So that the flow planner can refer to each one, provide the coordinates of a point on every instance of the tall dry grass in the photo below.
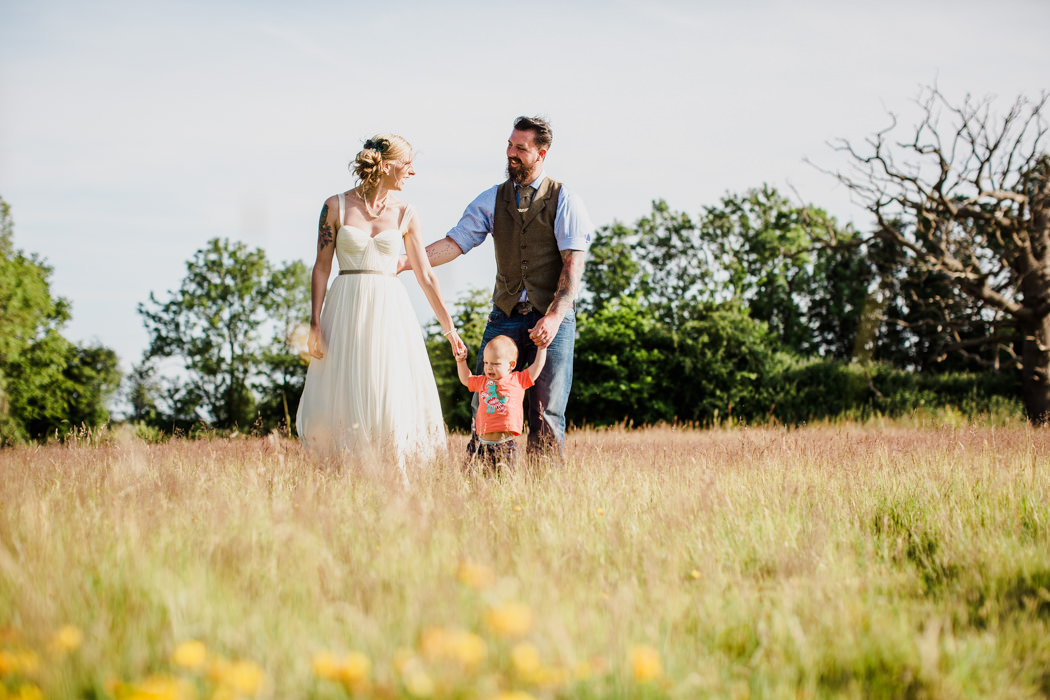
(828, 561)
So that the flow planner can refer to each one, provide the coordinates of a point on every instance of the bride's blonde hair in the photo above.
(367, 166)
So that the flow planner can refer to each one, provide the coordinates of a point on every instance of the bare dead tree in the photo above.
(966, 197)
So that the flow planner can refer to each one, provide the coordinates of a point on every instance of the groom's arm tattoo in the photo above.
(569, 280)
(324, 230)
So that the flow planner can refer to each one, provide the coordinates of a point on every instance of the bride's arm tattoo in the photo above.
(324, 230)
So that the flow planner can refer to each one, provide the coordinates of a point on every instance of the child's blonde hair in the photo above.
(503, 347)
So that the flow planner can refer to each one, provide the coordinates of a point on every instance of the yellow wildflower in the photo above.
(513, 695)
(510, 620)
(156, 688)
(19, 661)
(354, 669)
(190, 655)
(7, 663)
(469, 649)
(418, 683)
(525, 659)
(475, 575)
(68, 638)
(645, 663)
(433, 642)
(244, 678)
(26, 691)
(413, 674)
(582, 670)
(551, 676)
(464, 647)
(326, 666)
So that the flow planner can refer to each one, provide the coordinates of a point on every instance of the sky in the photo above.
(134, 131)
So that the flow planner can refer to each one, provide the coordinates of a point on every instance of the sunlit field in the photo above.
(848, 560)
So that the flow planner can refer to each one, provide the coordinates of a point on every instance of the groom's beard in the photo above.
(517, 173)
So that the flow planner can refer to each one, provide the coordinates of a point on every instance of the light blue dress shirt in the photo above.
(573, 229)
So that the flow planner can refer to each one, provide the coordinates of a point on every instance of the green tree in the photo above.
(29, 319)
(964, 199)
(722, 365)
(921, 315)
(37, 385)
(632, 366)
(91, 373)
(229, 311)
(842, 297)
(47, 384)
(660, 261)
(143, 391)
(791, 267)
(283, 366)
(623, 353)
(613, 270)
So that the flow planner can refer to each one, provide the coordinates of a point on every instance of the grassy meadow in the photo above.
(843, 560)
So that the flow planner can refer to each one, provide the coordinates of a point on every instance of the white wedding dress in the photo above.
(372, 396)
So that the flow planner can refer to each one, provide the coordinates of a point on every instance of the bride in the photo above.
(370, 392)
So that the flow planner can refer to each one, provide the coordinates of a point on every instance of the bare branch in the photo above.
(966, 196)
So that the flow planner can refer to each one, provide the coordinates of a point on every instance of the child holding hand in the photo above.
(501, 393)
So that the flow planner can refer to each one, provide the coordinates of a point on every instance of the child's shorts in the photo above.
(498, 456)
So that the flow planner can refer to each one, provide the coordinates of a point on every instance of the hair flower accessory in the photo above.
(379, 145)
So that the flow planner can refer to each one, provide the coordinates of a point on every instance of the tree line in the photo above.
(47, 383)
(757, 308)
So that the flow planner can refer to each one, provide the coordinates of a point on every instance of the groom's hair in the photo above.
(540, 128)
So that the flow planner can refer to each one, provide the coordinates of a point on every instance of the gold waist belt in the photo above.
(366, 272)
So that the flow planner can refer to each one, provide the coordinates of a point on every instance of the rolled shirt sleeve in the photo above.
(476, 222)
(572, 225)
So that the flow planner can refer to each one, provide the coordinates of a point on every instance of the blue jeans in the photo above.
(550, 394)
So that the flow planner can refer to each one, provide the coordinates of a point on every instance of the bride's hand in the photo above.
(316, 345)
(403, 264)
(459, 348)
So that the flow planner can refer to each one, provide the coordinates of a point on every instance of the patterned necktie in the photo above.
(525, 195)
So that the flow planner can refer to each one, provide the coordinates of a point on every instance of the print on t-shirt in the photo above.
(495, 402)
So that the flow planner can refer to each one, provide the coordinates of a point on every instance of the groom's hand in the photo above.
(542, 334)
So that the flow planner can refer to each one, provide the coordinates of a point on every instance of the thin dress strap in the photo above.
(410, 211)
(342, 205)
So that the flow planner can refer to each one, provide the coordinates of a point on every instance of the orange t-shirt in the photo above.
(500, 402)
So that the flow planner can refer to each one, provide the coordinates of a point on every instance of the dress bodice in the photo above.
(357, 250)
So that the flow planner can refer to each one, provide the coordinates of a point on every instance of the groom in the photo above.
(541, 231)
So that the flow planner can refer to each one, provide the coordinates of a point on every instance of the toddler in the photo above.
(501, 392)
